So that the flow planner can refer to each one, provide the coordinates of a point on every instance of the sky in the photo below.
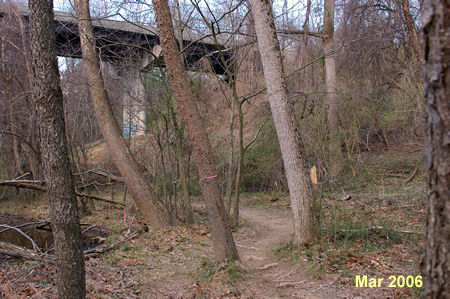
(295, 8)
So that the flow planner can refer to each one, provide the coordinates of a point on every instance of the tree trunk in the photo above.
(34, 161)
(230, 172)
(183, 176)
(412, 33)
(12, 123)
(291, 145)
(70, 275)
(334, 147)
(187, 207)
(224, 247)
(149, 206)
(240, 162)
(435, 261)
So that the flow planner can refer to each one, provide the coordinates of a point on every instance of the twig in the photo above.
(374, 228)
(278, 274)
(254, 257)
(250, 247)
(88, 229)
(268, 266)
(290, 283)
(22, 139)
(411, 177)
(256, 135)
(315, 34)
(22, 176)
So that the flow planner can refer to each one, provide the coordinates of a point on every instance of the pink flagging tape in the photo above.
(124, 215)
(209, 178)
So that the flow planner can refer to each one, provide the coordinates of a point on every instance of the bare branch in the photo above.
(301, 32)
(27, 184)
(35, 247)
(256, 135)
(21, 139)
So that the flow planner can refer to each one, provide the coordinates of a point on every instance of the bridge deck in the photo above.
(118, 40)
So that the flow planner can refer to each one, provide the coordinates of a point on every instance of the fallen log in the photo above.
(94, 197)
(35, 247)
(27, 184)
(103, 174)
(27, 254)
(90, 253)
(33, 185)
(24, 253)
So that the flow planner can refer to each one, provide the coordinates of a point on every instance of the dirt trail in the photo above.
(266, 231)
(270, 277)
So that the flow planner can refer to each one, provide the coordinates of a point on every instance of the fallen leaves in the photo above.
(203, 232)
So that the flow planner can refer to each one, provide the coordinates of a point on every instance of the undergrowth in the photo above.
(226, 270)
(371, 223)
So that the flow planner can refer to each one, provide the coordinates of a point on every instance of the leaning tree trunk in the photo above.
(151, 209)
(435, 262)
(70, 279)
(286, 125)
(224, 247)
(334, 147)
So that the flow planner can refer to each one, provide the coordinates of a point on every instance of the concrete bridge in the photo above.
(128, 50)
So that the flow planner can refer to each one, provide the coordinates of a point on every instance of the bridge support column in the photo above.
(134, 112)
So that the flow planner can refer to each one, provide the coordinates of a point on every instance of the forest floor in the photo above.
(372, 225)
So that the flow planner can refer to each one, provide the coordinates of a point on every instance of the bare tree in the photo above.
(435, 261)
(334, 148)
(11, 112)
(412, 32)
(292, 150)
(70, 279)
(149, 206)
(224, 247)
(16, 88)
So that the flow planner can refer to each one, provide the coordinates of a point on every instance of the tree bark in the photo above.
(334, 147)
(435, 261)
(292, 150)
(70, 275)
(149, 206)
(224, 247)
